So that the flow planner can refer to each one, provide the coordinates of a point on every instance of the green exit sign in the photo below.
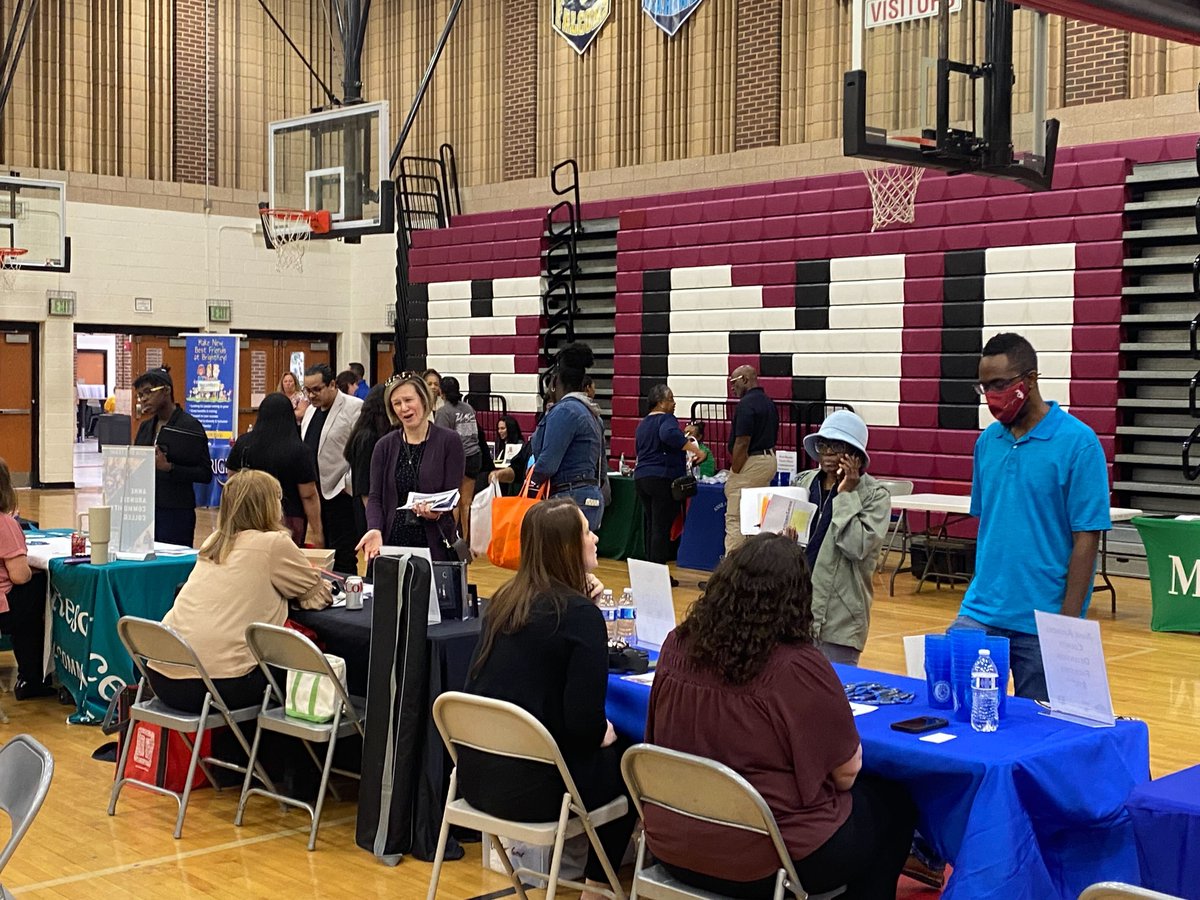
(220, 311)
(61, 304)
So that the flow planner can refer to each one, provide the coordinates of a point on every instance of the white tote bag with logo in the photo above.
(481, 518)
(314, 697)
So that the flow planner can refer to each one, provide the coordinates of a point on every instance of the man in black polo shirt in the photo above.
(751, 447)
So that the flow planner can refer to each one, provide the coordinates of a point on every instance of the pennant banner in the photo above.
(669, 15)
(579, 21)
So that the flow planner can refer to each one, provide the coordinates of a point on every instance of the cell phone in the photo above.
(920, 724)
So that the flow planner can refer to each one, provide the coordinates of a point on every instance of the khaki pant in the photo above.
(756, 473)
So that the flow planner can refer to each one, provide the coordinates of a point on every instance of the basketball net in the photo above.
(9, 268)
(289, 231)
(893, 192)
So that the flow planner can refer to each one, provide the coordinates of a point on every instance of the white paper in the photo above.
(651, 584)
(938, 737)
(435, 609)
(784, 511)
(914, 656)
(1076, 676)
(445, 501)
(785, 461)
(644, 678)
(256, 399)
(861, 709)
(751, 505)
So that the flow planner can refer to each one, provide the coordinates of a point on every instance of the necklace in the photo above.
(408, 451)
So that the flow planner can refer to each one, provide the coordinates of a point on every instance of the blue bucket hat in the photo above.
(840, 425)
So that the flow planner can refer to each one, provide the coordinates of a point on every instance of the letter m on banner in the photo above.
(1180, 577)
(669, 15)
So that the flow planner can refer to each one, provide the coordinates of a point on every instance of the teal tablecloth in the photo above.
(621, 531)
(86, 602)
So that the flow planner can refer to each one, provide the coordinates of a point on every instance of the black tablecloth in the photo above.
(347, 633)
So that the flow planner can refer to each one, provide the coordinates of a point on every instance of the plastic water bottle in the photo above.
(622, 468)
(985, 695)
(608, 607)
(627, 617)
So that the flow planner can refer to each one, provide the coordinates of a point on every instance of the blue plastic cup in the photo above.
(999, 648)
(937, 671)
(965, 644)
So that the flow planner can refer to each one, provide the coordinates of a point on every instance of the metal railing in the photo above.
(489, 409)
(560, 259)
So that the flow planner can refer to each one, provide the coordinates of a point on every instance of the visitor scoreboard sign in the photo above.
(893, 12)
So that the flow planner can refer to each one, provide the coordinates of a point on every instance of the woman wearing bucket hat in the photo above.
(846, 534)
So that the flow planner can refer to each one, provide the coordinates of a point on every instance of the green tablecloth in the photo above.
(1173, 557)
(86, 602)
(621, 531)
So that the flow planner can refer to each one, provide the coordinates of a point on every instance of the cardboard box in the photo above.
(318, 559)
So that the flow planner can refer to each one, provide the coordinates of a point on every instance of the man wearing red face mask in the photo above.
(1040, 492)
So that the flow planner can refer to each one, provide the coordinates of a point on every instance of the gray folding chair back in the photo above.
(147, 642)
(1113, 890)
(284, 648)
(707, 791)
(505, 729)
(26, 768)
(898, 526)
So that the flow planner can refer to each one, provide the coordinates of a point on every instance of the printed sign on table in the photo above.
(669, 15)
(1076, 676)
(212, 397)
(129, 490)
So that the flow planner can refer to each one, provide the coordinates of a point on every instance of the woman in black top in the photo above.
(544, 648)
(274, 446)
(510, 477)
(371, 425)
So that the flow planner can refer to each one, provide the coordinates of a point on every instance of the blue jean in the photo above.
(1024, 658)
(593, 512)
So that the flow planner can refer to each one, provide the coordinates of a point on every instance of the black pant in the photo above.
(25, 624)
(659, 510)
(866, 854)
(175, 526)
(533, 792)
(341, 531)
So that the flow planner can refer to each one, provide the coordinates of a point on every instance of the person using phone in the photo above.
(846, 534)
(181, 457)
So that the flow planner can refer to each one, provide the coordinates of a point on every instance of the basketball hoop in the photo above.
(288, 231)
(893, 192)
(9, 266)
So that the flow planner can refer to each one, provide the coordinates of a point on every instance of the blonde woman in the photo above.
(247, 571)
(292, 390)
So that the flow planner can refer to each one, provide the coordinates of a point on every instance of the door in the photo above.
(91, 367)
(381, 360)
(149, 351)
(17, 404)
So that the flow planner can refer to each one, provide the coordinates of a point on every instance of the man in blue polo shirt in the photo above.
(1040, 491)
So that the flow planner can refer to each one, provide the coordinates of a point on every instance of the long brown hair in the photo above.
(551, 566)
(759, 596)
(251, 501)
(8, 495)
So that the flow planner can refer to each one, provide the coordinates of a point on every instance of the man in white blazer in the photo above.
(326, 427)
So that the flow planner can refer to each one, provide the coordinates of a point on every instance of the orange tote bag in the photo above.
(508, 513)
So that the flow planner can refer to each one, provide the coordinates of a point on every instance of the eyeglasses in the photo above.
(999, 384)
(146, 393)
(827, 448)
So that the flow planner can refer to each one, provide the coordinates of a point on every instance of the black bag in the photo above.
(683, 487)
(450, 581)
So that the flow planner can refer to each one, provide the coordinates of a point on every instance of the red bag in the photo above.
(164, 764)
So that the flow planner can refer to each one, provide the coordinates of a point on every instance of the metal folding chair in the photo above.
(149, 641)
(286, 649)
(26, 768)
(1113, 890)
(898, 528)
(706, 791)
(505, 729)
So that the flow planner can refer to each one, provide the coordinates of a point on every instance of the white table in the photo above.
(959, 505)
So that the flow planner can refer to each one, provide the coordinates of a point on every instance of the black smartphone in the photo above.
(920, 724)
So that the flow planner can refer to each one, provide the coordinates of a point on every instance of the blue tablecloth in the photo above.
(703, 539)
(1036, 810)
(1166, 821)
(86, 602)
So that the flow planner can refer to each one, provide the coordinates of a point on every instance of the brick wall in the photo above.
(758, 94)
(520, 89)
(1096, 64)
(194, 138)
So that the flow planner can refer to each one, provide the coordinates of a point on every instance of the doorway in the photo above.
(19, 402)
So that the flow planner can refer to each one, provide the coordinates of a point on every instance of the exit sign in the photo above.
(220, 311)
(61, 303)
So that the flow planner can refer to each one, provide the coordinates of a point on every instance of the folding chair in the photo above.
(149, 641)
(505, 729)
(286, 649)
(1113, 890)
(26, 768)
(898, 527)
(706, 791)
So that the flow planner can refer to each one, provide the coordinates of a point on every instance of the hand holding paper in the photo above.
(443, 502)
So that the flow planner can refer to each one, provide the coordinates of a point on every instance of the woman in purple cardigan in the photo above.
(417, 456)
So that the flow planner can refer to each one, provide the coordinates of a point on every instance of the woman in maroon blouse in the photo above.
(741, 681)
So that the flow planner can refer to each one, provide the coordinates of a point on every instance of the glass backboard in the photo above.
(33, 217)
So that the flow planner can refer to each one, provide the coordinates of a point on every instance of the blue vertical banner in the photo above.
(669, 15)
(212, 397)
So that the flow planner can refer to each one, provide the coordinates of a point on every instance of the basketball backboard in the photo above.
(334, 161)
(957, 85)
(33, 217)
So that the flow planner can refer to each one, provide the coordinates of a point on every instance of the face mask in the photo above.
(1007, 404)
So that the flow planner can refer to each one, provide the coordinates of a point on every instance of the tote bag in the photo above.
(481, 518)
(313, 697)
(508, 513)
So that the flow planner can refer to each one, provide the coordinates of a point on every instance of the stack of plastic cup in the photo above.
(999, 648)
(965, 644)
(937, 671)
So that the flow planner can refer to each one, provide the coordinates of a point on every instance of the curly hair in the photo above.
(760, 596)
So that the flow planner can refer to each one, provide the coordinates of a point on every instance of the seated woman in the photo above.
(512, 456)
(22, 610)
(700, 460)
(247, 570)
(846, 534)
(740, 682)
(544, 647)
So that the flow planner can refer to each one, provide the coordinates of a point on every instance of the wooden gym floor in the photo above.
(74, 850)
